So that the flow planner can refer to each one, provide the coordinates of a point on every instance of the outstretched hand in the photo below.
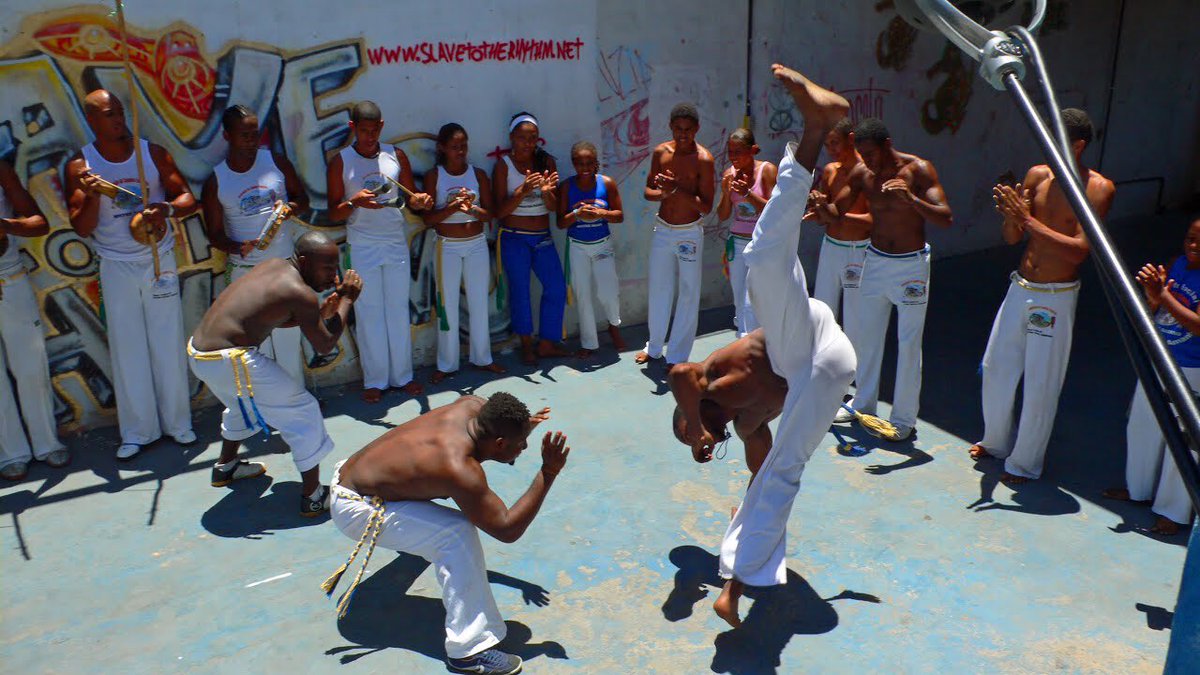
(1012, 203)
(554, 452)
(351, 286)
(703, 445)
(1153, 279)
(539, 417)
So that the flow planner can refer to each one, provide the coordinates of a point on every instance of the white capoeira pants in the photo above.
(449, 541)
(283, 345)
(243, 379)
(592, 265)
(743, 314)
(1150, 469)
(807, 348)
(145, 341)
(892, 280)
(1032, 336)
(839, 273)
(463, 263)
(675, 256)
(23, 353)
(382, 327)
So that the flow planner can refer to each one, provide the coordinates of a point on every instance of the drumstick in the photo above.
(407, 193)
(137, 138)
(112, 186)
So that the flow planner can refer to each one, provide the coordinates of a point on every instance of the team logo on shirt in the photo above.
(914, 292)
(129, 202)
(257, 199)
(1041, 321)
(745, 211)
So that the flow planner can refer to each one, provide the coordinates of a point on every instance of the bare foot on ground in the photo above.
(372, 395)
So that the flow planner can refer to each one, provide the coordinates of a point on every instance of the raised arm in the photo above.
(83, 201)
(707, 187)
(297, 195)
(28, 220)
(323, 324)
(506, 203)
(487, 511)
(725, 204)
(420, 201)
(181, 203)
(653, 193)
(931, 201)
(616, 211)
(550, 178)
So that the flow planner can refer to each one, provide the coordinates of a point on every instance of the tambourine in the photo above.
(274, 224)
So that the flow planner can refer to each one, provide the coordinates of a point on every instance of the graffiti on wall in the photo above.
(60, 56)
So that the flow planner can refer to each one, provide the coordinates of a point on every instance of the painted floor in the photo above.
(909, 559)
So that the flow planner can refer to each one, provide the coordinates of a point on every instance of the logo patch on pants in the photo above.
(914, 292)
(851, 275)
(1041, 321)
(686, 251)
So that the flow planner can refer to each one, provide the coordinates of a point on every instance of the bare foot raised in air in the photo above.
(726, 605)
(413, 388)
(978, 452)
(372, 395)
(818, 105)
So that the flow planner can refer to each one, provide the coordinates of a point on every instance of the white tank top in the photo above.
(111, 237)
(531, 204)
(372, 173)
(448, 185)
(247, 200)
(10, 262)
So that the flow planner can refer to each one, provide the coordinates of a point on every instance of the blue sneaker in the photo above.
(489, 662)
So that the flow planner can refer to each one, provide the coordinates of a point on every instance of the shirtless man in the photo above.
(384, 493)
(847, 223)
(903, 193)
(257, 391)
(682, 178)
(1032, 330)
(797, 367)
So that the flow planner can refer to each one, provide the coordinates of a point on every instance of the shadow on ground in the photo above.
(775, 614)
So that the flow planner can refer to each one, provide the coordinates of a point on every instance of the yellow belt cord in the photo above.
(373, 527)
(237, 357)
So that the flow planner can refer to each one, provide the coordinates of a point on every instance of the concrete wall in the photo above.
(608, 72)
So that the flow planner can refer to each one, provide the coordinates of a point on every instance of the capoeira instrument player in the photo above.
(382, 495)
(138, 282)
(589, 202)
(256, 391)
(367, 186)
(903, 193)
(805, 348)
(1031, 335)
(22, 342)
(1173, 295)
(847, 223)
(247, 202)
(681, 178)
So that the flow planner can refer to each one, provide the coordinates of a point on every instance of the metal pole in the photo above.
(1122, 291)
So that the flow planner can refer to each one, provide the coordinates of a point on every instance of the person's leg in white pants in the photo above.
(874, 312)
(477, 276)
(370, 328)
(23, 353)
(910, 336)
(689, 250)
(397, 279)
(743, 313)
(827, 287)
(450, 270)
(449, 541)
(1046, 357)
(164, 323)
(661, 281)
(1150, 469)
(604, 273)
(579, 256)
(1002, 366)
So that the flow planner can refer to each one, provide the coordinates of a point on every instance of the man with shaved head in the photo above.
(143, 312)
(257, 391)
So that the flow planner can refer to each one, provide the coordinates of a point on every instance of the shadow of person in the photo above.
(381, 601)
(655, 370)
(1157, 618)
(914, 457)
(603, 357)
(255, 507)
(778, 612)
(1038, 497)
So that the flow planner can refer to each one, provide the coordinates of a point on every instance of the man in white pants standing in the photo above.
(22, 342)
(682, 178)
(361, 182)
(384, 495)
(805, 346)
(903, 192)
(144, 317)
(1031, 335)
(239, 199)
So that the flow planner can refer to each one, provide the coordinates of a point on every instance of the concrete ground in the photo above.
(909, 559)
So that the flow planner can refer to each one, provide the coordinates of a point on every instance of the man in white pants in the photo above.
(1031, 335)
(384, 495)
(361, 187)
(847, 224)
(251, 188)
(22, 342)
(805, 346)
(256, 391)
(903, 193)
(682, 178)
(144, 317)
